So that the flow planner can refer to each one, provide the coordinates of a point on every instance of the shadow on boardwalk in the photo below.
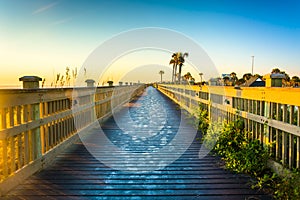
(77, 174)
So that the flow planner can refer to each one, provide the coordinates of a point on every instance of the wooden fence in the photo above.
(37, 124)
(271, 114)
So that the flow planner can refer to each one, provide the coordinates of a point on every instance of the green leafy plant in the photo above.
(250, 156)
(240, 153)
(203, 121)
(199, 119)
(212, 135)
(288, 187)
(243, 154)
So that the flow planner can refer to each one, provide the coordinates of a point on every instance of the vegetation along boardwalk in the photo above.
(133, 164)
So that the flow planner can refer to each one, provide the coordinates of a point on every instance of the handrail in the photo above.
(35, 123)
(271, 114)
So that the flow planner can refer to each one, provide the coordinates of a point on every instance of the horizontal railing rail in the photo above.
(271, 114)
(36, 124)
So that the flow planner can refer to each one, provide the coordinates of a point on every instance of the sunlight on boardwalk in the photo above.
(76, 174)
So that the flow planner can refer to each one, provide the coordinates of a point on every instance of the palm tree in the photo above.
(180, 63)
(161, 72)
(177, 60)
(174, 61)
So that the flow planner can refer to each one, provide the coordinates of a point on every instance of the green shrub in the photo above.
(244, 155)
(203, 121)
(212, 135)
(199, 119)
(288, 187)
(240, 153)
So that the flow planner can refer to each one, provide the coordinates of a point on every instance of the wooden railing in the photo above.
(37, 124)
(271, 114)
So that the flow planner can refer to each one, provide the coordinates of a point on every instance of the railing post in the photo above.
(209, 105)
(266, 132)
(32, 82)
(36, 137)
(90, 83)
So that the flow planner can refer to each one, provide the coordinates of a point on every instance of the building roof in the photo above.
(275, 75)
(254, 81)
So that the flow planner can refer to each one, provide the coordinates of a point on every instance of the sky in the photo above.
(43, 37)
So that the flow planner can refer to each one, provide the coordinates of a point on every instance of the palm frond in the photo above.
(172, 61)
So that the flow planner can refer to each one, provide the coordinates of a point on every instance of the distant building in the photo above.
(254, 81)
(226, 75)
(274, 79)
(215, 81)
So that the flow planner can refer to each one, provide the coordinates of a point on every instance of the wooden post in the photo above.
(284, 136)
(266, 113)
(26, 148)
(90, 83)
(284, 151)
(32, 82)
(12, 154)
(20, 152)
(271, 136)
(4, 157)
(291, 150)
(36, 134)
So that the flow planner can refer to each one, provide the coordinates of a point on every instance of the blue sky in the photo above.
(42, 37)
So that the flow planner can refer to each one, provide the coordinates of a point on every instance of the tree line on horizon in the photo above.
(287, 81)
(231, 80)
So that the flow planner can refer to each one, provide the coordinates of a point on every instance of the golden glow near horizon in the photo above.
(143, 66)
(29, 55)
(45, 65)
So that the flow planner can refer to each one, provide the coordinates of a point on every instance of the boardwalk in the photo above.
(140, 166)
